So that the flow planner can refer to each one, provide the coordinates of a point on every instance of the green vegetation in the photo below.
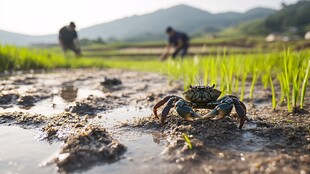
(13, 59)
(199, 46)
(274, 99)
(304, 86)
(227, 71)
(187, 140)
(237, 74)
(290, 20)
(295, 15)
(99, 41)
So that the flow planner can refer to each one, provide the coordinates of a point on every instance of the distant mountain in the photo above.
(181, 17)
(152, 26)
(21, 39)
(293, 19)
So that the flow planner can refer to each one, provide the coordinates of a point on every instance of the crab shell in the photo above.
(201, 94)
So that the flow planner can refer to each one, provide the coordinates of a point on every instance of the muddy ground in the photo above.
(103, 121)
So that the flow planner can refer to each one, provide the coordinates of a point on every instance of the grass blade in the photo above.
(304, 87)
(274, 102)
(187, 140)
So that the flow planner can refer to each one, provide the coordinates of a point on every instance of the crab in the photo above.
(202, 97)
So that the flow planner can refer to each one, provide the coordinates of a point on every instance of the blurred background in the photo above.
(136, 28)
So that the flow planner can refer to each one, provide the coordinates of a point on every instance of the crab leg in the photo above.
(185, 111)
(162, 102)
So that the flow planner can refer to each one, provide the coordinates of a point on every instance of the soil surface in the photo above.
(103, 120)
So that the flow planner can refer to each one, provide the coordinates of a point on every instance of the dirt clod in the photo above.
(23, 119)
(109, 82)
(88, 147)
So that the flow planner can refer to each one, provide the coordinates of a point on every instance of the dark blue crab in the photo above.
(202, 97)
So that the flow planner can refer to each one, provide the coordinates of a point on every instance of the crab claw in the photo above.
(185, 111)
(220, 111)
(166, 110)
(160, 103)
(241, 111)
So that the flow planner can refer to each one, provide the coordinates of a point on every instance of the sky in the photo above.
(40, 17)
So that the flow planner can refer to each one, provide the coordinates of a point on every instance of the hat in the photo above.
(72, 24)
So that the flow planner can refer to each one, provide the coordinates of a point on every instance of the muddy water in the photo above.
(272, 142)
(56, 103)
(144, 148)
(22, 152)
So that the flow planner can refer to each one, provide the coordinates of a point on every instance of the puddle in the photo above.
(144, 149)
(27, 154)
(120, 115)
(57, 103)
(44, 107)
(143, 156)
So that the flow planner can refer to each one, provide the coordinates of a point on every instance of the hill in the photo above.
(182, 17)
(290, 20)
(294, 15)
(21, 39)
(151, 26)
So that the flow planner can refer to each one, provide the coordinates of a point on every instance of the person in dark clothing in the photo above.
(178, 40)
(68, 39)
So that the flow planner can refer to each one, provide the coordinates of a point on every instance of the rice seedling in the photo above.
(243, 86)
(274, 100)
(187, 140)
(227, 80)
(231, 73)
(296, 86)
(254, 80)
(281, 81)
(304, 86)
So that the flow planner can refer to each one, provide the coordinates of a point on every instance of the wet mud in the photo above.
(87, 147)
(101, 116)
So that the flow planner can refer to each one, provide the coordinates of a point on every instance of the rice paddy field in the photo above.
(287, 68)
(109, 99)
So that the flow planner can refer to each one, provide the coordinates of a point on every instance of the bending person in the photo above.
(68, 39)
(178, 40)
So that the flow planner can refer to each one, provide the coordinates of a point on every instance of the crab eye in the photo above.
(213, 86)
(190, 86)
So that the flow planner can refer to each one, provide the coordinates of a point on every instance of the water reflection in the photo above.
(20, 152)
(69, 92)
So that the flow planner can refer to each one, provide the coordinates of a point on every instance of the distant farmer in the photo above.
(68, 39)
(178, 40)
